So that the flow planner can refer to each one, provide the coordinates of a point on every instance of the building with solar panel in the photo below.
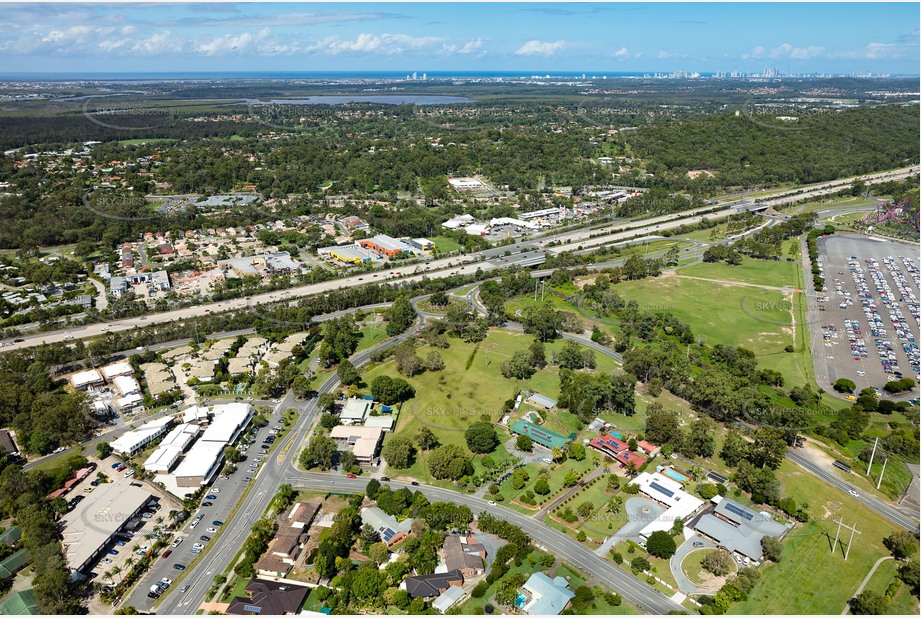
(739, 529)
(681, 505)
(391, 530)
(541, 436)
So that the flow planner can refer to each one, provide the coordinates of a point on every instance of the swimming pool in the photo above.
(616, 435)
(519, 600)
(674, 475)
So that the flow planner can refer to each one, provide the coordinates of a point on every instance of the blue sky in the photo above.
(825, 37)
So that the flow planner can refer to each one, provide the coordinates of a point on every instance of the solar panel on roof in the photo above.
(387, 535)
(659, 488)
(732, 508)
(252, 608)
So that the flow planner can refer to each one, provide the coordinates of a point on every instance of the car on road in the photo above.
(179, 566)
(415, 483)
(385, 478)
(185, 588)
(176, 543)
(853, 493)
(209, 503)
(698, 544)
(167, 553)
(215, 490)
(350, 476)
(491, 503)
(210, 497)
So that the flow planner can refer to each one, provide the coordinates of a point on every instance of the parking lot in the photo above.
(208, 520)
(868, 312)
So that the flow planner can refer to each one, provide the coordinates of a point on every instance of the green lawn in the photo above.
(760, 320)
(448, 401)
(902, 602)
(808, 564)
(371, 335)
(445, 244)
(692, 568)
(759, 272)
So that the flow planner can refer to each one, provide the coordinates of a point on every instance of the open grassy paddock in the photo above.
(448, 401)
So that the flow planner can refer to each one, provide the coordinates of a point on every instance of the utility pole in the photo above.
(850, 542)
(872, 454)
(880, 481)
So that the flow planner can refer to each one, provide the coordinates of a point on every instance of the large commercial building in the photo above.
(203, 461)
(541, 436)
(670, 493)
(385, 245)
(350, 254)
(171, 448)
(89, 527)
(134, 441)
(355, 411)
(738, 528)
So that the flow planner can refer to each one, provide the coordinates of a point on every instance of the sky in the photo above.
(407, 37)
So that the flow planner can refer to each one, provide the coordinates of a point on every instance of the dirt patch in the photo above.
(692, 174)
(581, 283)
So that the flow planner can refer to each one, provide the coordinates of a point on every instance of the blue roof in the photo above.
(550, 595)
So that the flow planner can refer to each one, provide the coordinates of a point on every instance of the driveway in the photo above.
(684, 584)
(640, 512)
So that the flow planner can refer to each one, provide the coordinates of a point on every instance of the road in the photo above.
(560, 545)
(893, 514)
(468, 264)
(279, 464)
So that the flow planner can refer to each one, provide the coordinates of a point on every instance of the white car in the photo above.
(198, 546)
(211, 530)
(853, 493)
(167, 581)
(491, 503)
(215, 490)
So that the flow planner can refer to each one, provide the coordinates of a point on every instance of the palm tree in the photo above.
(129, 561)
(108, 575)
(116, 570)
(556, 454)
(159, 520)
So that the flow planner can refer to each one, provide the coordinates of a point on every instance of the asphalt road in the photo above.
(615, 578)
(893, 514)
(441, 267)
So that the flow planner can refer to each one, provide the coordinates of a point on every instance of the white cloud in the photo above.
(664, 54)
(621, 53)
(231, 43)
(473, 46)
(797, 53)
(540, 48)
(158, 43)
(373, 43)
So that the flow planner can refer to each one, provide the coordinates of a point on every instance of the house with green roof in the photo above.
(22, 603)
(538, 434)
(11, 564)
(11, 536)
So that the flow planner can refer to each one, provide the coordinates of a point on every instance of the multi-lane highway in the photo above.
(466, 264)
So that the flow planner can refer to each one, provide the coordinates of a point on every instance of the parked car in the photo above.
(204, 538)
(179, 567)
(217, 522)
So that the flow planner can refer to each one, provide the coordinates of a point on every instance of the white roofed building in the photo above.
(664, 490)
(364, 442)
(122, 368)
(135, 440)
(84, 379)
(126, 385)
(200, 464)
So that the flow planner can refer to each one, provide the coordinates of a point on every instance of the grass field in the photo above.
(445, 244)
(758, 272)
(371, 335)
(448, 401)
(902, 602)
(693, 570)
(824, 581)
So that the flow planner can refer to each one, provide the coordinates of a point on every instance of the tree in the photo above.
(556, 453)
(772, 547)
(575, 451)
(538, 355)
(326, 402)
(320, 453)
(481, 437)
(524, 443)
(519, 366)
(570, 356)
(103, 449)
(434, 362)
(662, 425)
(706, 490)
(400, 316)
(585, 509)
(368, 536)
(902, 544)
(661, 544)
(541, 486)
(571, 478)
(449, 462)
(347, 373)
(699, 441)
(390, 391)
(640, 564)
(519, 478)
(719, 563)
(543, 321)
(426, 439)
(398, 452)
(843, 385)
(408, 362)
(909, 573)
(734, 448)
(869, 603)
(232, 455)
